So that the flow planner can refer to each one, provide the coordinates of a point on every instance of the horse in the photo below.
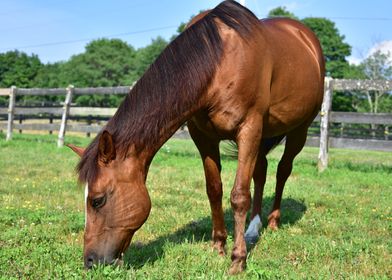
(230, 76)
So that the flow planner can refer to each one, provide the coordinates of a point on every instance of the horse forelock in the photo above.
(87, 167)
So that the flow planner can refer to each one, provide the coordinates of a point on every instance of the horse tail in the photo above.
(266, 145)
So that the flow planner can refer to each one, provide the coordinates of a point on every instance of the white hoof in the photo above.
(252, 233)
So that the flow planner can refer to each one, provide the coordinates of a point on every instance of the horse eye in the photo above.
(98, 202)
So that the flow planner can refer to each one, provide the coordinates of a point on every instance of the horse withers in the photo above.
(229, 76)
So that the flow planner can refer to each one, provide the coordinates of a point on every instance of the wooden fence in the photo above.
(325, 118)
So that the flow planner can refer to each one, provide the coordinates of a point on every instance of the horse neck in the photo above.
(167, 131)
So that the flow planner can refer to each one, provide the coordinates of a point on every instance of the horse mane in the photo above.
(171, 85)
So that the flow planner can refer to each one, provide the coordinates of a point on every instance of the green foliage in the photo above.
(18, 69)
(281, 12)
(104, 63)
(335, 225)
(98, 100)
(51, 75)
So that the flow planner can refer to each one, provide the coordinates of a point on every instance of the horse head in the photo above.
(116, 203)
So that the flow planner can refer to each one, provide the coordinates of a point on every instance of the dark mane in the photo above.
(171, 86)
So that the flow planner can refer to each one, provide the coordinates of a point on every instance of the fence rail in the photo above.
(325, 118)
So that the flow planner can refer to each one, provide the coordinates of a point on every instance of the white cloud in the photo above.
(384, 47)
(354, 60)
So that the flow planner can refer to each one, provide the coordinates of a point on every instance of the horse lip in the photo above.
(124, 246)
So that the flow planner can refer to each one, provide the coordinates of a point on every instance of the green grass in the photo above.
(337, 224)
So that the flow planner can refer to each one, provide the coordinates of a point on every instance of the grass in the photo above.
(337, 224)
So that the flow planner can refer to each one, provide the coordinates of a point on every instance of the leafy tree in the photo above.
(104, 63)
(51, 75)
(281, 12)
(18, 69)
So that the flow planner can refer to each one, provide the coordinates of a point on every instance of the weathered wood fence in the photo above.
(325, 118)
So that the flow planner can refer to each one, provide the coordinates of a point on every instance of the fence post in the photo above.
(51, 122)
(11, 111)
(324, 125)
(63, 126)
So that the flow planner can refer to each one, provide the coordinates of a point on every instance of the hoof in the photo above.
(273, 220)
(219, 247)
(273, 224)
(237, 267)
(252, 234)
(251, 239)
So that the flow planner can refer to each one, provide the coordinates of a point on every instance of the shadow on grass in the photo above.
(200, 230)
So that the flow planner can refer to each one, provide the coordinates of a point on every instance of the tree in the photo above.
(281, 12)
(378, 66)
(18, 69)
(104, 63)
(51, 75)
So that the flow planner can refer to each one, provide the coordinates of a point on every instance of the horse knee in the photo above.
(240, 200)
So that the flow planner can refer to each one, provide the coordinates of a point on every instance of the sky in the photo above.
(57, 29)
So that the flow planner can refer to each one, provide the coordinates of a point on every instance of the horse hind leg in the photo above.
(259, 178)
(295, 141)
(209, 151)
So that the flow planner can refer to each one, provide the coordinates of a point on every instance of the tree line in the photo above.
(113, 62)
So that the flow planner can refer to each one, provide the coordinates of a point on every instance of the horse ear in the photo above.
(76, 149)
(106, 149)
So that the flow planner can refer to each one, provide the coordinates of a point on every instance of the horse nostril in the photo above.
(89, 260)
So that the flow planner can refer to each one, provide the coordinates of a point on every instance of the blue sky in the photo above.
(57, 29)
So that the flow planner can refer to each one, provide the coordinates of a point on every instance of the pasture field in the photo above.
(335, 225)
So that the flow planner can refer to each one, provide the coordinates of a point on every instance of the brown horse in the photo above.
(230, 76)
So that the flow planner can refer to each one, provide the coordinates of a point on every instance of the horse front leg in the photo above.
(209, 151)
(248, 140)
